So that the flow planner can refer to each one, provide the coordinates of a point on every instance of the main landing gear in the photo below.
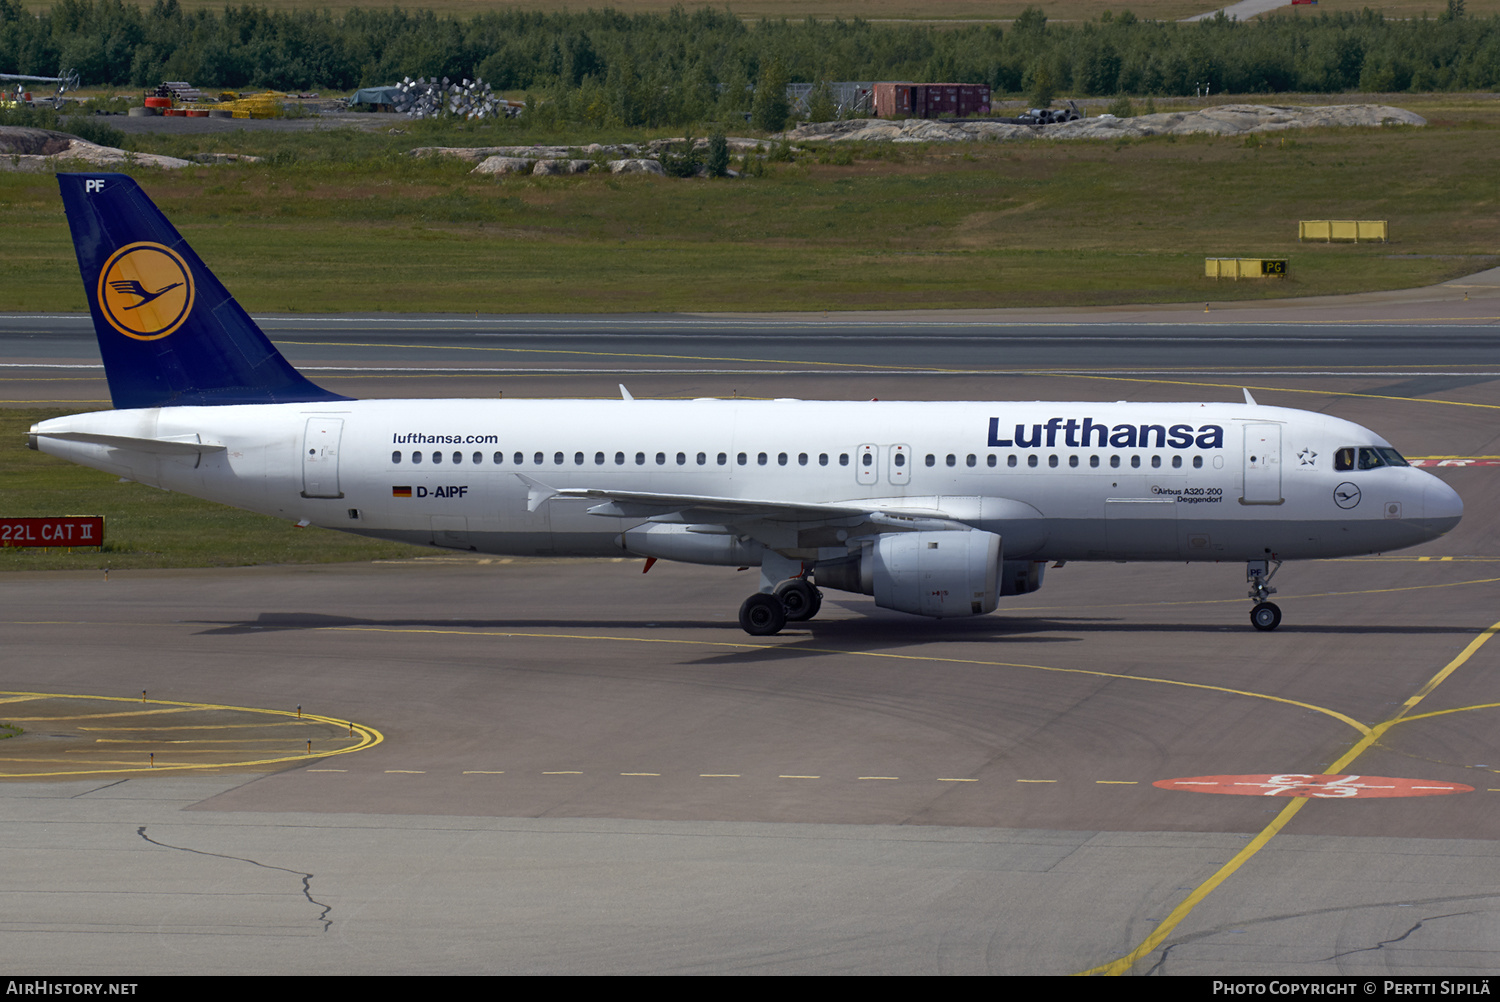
(790, 600)
(1265, 615)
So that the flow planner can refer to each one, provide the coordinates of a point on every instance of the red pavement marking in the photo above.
(1301, 784)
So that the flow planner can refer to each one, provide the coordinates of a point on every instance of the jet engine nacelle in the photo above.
(947, 573)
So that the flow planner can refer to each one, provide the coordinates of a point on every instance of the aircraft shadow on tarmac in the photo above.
(866, 631)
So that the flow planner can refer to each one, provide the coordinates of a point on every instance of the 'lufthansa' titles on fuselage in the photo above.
(1076, 434)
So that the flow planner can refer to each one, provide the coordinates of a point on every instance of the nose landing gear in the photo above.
(1265, 615)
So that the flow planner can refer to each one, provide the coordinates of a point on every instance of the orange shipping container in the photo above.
(934, 100)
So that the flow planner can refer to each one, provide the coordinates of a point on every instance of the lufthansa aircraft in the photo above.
(936, 509)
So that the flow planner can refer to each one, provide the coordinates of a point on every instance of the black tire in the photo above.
(762, 615)
(799, 600)
(1265, 616)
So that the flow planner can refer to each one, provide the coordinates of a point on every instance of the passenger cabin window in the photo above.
(396, 458)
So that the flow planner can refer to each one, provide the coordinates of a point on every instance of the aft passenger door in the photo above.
(320, 457)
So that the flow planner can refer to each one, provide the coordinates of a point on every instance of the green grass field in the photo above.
(342, 221)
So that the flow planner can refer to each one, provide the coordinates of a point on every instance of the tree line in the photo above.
(606, 67)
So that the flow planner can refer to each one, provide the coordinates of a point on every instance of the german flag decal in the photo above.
(400, 492)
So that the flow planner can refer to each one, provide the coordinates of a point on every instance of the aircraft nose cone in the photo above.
(1441, 505)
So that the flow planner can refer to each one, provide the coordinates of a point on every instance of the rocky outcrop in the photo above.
(1224, 120)
(33, 150)
(637, 165)
(504, 165)
(555, 167)
(592, 152)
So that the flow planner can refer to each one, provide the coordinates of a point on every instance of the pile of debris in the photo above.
(470, 99)
(1225, 120)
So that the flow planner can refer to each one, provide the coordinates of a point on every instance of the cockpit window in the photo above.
(1367, 458)
(1392, 457)
(1371, 457)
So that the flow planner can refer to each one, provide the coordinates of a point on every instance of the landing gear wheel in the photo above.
(800, 600)
(1265, 616)
(762, 615)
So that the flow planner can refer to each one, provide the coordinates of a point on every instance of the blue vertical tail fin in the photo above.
(169, 332)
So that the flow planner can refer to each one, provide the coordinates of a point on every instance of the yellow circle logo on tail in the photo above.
(145, 291)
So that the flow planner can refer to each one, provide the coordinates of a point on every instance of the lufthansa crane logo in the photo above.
(145, 291)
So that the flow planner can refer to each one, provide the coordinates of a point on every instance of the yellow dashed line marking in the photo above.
(564, 772)
(799, 777)
(640, 774)
(1036, 781)
(718, 775)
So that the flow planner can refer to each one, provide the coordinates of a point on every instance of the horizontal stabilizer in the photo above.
(183, 445)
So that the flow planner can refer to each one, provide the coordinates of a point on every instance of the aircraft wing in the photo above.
(711, 510)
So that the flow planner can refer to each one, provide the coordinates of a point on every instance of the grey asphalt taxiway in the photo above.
(582, 768)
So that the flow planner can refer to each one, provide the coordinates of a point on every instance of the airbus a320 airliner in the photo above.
(936, 509)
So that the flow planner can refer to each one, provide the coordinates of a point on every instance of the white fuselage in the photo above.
(1057, 480)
